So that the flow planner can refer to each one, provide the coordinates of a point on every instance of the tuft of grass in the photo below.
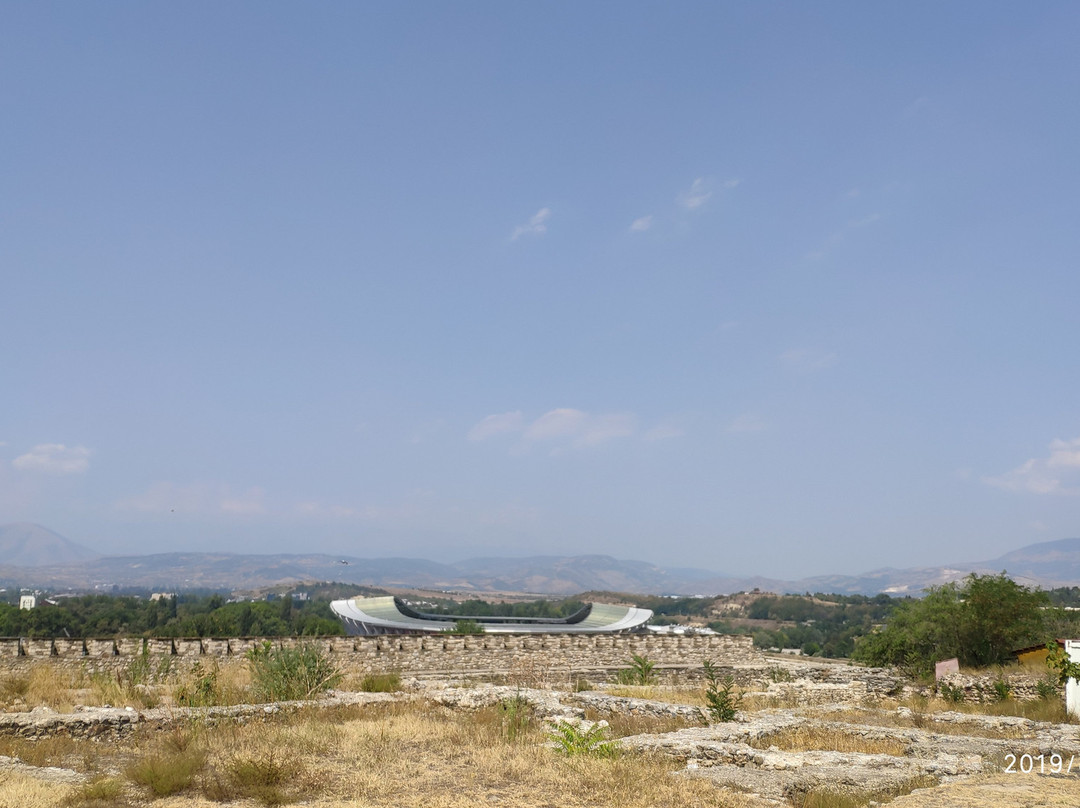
(269, 777)
(381, 683)
(168, 773)
(581, 685)
(286, 674)
(101, 792)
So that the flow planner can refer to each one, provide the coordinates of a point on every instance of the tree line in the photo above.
(179, 616)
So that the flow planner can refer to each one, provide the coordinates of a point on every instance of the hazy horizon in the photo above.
(776, 290)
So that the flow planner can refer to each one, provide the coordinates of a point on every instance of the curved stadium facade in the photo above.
(392, 615)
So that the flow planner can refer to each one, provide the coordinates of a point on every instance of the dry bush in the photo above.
(101, 792)
(828, 739)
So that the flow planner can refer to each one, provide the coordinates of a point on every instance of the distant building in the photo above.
(27, 602)
(162, 596)
(1034, 656)
(392, 615)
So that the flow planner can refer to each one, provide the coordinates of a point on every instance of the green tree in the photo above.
(979, 621)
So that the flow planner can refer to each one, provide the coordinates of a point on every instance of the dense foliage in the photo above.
(182, 616)
(980, 622)
(826, 625)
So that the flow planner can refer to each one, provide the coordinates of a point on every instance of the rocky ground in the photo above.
(794, 739)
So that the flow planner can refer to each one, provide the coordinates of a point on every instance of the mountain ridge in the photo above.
(1047, 564)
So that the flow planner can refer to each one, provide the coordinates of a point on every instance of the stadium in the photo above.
(392, 615)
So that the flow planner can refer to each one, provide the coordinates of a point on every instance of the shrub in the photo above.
(640, 672)
(722, 704)
(169, 773)
(1047, 688)
(466, 627)
(99, 791)
(1002, 690)
(285, 674)
(202, 688)
(954, 694)
(270, 778)
(778, 674)
(516, 716)
(573, 739)
(381, 683)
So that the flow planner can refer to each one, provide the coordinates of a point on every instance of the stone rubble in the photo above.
(825, 697)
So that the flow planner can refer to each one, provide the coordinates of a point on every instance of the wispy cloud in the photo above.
(54, 458)
(536, 226)
(696, 196)
(1057, 473)
(808, 360)
(498, 424)
(564, 427)
(642, 224)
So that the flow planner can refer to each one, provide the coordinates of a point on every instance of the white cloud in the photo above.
(642, 224)
(750, 422)
(498, 424)
(729, 184)
(560, 423)
(1058, 473)
(600, 428)
(697, 196)
(54, 458)
(808, 360)
(197, 499)
(564, 427)
(536, 226)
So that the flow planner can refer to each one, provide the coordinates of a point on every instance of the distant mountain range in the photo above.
(28, 545)
(31, 555)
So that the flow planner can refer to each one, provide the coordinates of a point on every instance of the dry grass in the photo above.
(828, 797)
(41, 685)
(927, 721)
(693, 696)
(396, 754)
(53, 750)
(829, 739)
(623, 725)
(19, 791)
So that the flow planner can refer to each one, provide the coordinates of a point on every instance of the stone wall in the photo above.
(419, 654)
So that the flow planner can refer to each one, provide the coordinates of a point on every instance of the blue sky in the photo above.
(778, 288)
